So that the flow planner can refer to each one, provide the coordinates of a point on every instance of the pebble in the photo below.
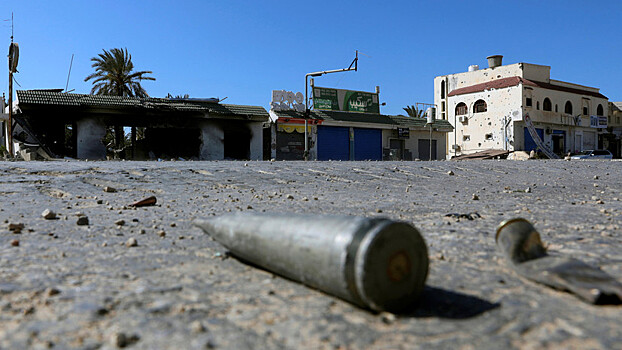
(48, 214)
(110, 189)
(289, 196)
(122, 340)
(51, 291)
(120, 222)
(387, 317)
(197, 327)
(475, 197)
(528, 190)
(83, 220)
(16, 227)
(450, 173)
(15, 243)
(161, 233)
(132, 242)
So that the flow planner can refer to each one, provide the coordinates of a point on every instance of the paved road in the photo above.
(64, 285)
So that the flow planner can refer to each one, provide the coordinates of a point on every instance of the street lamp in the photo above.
(317, 74)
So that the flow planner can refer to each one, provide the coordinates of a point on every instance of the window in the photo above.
(443, 106)
(443, 89)
(538, 105)
(599, 110)
(528, 102)
(568, 108)
(480, 106)
(461, 109)
(555, 108)
(585, 110)
(546, 105)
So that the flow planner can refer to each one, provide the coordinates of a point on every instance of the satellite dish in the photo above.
(13, 57)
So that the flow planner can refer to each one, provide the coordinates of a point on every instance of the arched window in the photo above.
(443, 89)
(480, 106)
(546, 105)
(568, 108)
(599, 110)
(461, 108)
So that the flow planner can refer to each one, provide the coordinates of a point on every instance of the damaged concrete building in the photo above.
(492, 109)
(75, 125)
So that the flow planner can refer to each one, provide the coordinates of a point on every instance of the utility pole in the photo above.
(13, 59)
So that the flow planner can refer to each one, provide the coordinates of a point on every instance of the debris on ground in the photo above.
(110, 189)
(48, 214)
(519, 241)
(145, 202)
(470, 216)
(394, 288)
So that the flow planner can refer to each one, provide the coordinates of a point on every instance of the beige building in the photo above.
(490, 108)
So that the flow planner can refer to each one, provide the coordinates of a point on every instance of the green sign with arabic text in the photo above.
(345, 100)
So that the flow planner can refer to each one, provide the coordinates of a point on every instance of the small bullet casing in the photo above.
(376, 263)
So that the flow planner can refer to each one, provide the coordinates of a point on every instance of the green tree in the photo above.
(114, 75)
(414, 112)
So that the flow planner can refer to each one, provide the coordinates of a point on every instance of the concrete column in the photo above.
(273, 134)
(313, 142)
(212, 141)
(90, 132)
(256, 144)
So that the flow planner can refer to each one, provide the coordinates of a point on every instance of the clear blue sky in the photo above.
(244, 49)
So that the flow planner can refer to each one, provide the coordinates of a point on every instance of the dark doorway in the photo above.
(69, 146)
(424, 149)
(396, 147)
(169, 143)
(237, 142)
(558, 144)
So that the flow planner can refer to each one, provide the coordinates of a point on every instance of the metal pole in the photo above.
(10, 126)
(307, 113)
(317, 74)
(430, 157)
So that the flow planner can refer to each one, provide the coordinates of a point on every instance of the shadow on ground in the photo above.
(437, 302)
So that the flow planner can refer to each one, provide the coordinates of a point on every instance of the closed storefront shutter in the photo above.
(530, 144)
(367, 144)
(333, 143)
(589, 140)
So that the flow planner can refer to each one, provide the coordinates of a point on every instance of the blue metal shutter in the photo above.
(367, 144)
(333, 143)
(530, 144)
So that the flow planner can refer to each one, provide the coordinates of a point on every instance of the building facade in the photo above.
(336, 135)
(492, 108)
(77, 125)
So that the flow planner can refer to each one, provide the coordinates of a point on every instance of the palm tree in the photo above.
(114, 76)
(413, 111)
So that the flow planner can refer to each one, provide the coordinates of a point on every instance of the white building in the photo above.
(487, 108)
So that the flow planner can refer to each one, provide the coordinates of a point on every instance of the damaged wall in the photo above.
(90, 132)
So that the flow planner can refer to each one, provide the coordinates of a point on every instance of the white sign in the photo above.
(599, 122)
(286, 100)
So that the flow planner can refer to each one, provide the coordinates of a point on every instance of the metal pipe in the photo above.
(376, 263)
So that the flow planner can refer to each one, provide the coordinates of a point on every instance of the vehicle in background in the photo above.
(593, 154)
